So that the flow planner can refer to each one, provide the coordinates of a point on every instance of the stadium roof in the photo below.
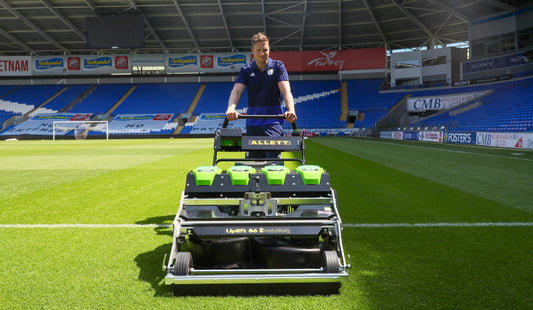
(53, 27)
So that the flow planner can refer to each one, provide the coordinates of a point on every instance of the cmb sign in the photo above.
(421, 104)
(425, 104)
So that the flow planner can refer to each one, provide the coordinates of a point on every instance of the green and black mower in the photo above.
(257, 223)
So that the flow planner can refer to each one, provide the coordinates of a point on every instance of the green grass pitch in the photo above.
(427, 226)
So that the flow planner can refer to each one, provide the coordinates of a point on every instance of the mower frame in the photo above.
(293, 227)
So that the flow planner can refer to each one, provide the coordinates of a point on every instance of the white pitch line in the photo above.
(346, 225)
(85, 225)
(386, 225)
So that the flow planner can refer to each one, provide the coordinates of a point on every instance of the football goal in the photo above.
(80, 129)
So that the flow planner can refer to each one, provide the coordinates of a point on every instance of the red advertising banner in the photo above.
(74, 63)
(15, 65)
(337, 60)
(121, 62)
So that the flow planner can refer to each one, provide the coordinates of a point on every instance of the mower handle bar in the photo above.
(245, 116)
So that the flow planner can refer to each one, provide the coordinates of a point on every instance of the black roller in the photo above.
(280, 253)
(219, 252)
(182, 264)
(331, 262)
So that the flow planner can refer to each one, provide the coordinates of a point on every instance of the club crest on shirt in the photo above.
(270, 71)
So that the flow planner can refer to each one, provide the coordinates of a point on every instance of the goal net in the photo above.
(80, 129)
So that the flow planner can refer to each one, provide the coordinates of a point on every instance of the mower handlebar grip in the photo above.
(244, 116)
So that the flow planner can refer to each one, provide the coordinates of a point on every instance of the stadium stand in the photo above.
(32, 95)
(151, 108)
(508, 108)
(66, 97)
(364, 97)
(158, 98)
(5, 89)
(317, 103)
(215, 99)
(24, 99)
(101, 99)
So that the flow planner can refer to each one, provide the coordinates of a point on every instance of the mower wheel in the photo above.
(182, 264)
(331, 262)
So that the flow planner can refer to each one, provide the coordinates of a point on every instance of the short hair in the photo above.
(259, 37)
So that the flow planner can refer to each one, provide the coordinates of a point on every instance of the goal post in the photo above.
(80, 128)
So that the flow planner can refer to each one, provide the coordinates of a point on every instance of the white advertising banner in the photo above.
(42, 124)
(385, 134)
(139, 123)
(397, 135)
(421, 104)
(51, 65)
(225, 62)
(527, 142)
(430, 136)
(499, 139)
(15, 66)
(115, 64)
(80, 65)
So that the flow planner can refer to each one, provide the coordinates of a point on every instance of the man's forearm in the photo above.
(289, 102)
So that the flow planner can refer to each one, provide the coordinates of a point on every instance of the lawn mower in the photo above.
(257, 223)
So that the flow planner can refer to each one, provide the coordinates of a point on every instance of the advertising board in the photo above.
(336, 60)
(385, 135)
(492, 63)
(15, 66)
(411, 135)
(295, 61)
(509, 140)
(42, 124)
(139, 123)
(527, 142)
(397, 135)
(421, 104)
(431, 136)
(459, 137)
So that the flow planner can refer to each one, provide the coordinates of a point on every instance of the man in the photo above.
(266, 80)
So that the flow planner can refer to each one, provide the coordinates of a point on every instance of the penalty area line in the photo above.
(344, 225)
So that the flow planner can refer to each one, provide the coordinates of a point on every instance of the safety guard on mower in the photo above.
(259, 222)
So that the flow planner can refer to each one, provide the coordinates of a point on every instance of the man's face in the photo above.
(261, 51)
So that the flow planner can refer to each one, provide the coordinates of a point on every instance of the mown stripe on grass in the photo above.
(458, 151)
(347, 225)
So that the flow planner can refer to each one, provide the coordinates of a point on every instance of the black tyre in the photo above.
(182, 264)
(331, 262)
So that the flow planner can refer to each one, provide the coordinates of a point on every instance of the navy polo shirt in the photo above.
(264, 95)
